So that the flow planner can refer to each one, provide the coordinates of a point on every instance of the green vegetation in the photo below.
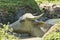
(54, 33)
(53, 36)
(16, 4)
(45, 1)
(5, 33)
(12, 5)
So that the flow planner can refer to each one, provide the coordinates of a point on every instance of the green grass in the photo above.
(22, 3)
(16, 4)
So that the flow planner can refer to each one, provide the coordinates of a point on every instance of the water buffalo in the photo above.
(27, 23)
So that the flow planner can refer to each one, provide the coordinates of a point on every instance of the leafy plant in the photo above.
(53, 36)
(5, 33)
